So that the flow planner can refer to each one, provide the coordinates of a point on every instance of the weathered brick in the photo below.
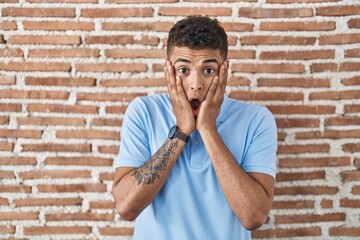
(277, 40)
(238, 81)
(237, 27)
(352, 108)
(35, 66)
(135, 53)
(107, 176)
(186, 11)
(339, 39)
(342, 121)
(133, 82)
(113, 39)
(17, 161)
(310, 218)
(352, 53)
(7, 80)
(64, 53)
(10, 107)
(295, 204)
(268, 67)
(48, 174)
(11, 52)
(62, 108)
(7, 229)
(109, 149)
(335, 67)
(302, 109)
(335, 95)
(299, 176)
(11, 216)
(298, 26)
(300, 162)
(141, 1)
(349, 203)
(294, 82)
(125, 97)
(351, 147)
(348, 176)
(351, 81)
(274, 12)
(47, 202)
(117, 12)
(37, 12)
(267, 96)
(355, 190)
(338, 10)
(106, 122)
(53, 39)
(354, 23)
(344, 231)
(63, 1)
(298, 55)
(326, 203)
(111, 67)
(281, 233)
(116, 109)
(19, 94)
(102, 205)
(109, 231)
(56, 230)
(241, 54)
(53, 147)
(6, 174)
(306, 148)
(79, 216)
(86, 187)
(137, 26)
(51, 121)
(84, 161)
(20, 133)
(306, 190)
(4, 120)
(331, 134)
(88, 134)
(4, 146)
(8, 25)
(58, 26)
(59, 81)
(15, 188)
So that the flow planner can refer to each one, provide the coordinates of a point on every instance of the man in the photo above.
(194, 164)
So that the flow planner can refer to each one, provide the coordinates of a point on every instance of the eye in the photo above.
(182, 70)
(209, 70)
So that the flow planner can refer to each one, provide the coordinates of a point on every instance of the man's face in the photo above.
(197, 68)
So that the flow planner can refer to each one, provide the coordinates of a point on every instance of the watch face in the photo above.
(172, 132)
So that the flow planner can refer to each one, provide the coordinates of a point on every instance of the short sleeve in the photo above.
(134, 144)
(261, 153)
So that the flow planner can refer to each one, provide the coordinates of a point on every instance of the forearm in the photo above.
(135, 190)
(246, 196)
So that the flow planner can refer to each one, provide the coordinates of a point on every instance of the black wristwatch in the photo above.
(175, 133)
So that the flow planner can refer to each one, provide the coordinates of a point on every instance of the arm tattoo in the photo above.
(149, 171)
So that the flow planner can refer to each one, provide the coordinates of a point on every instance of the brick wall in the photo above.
(69, 68)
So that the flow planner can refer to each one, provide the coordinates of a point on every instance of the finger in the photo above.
(171, 82)
(220, 91)
(212, 90)
(180, 90)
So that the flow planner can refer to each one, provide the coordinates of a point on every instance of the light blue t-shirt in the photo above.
(191, 204)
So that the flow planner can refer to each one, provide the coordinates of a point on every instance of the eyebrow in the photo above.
(211, 60)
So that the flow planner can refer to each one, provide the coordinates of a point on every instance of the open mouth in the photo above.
(195, 105)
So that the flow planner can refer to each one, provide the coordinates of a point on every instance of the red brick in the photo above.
(147, 40)
(57, 230)
(109, 231)
(125, 97)
(82, 161)
(106, 122)
(52, 147)
(102, 205)
(354, 23)
(47, 202)
(8, 25)
(86, 187)
(352, 53)
(135, 53)
(302, 109)
(352, 108)
(241, 54)
(60, 81)
(298, 55)
(314, 162)
(357, 162)
(330, 134)
(237, 27)
(294, 82)
(7, 174)
(267, 96)
(284, 233)
(4, 120)
(133, 82)
(348, 176)
(51, 121)
(15, 188)
(20, 94)
(64, 53)
(300, 1)
(107, 176)
(186, 11)
(11, 216)
(218, 1)
(339, 39)
(10, 107)
(305, 190)
(17, 161)
(355, 190)
(141, 1)
(88, 134)
(326, 203)
(113, 39)
(4, 146)
(299, 176)
(38, 12)
(310, 218)
(342, 121)
(335, 95)
(268, 68)
(275, 12)
(79, 216)
(296, 204)
(57, 108)
(58, 26)
(277, 40)
(117, 12)
(137, 26)
(334, 67)
(307, 148)
(351, 147)
(63, 1)
(338, 10)
(298, 26)
(116, 109)
(50, 174)
(349, 203)
(35, 66)
(20, 133)
(111, 67)
(11, 52)
(7, 229)
(109, 149)
(351, 81)
(7, 80)
(53, 39)
(238, 81)
(344, 231)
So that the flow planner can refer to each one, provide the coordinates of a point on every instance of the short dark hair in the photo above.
(198, 32)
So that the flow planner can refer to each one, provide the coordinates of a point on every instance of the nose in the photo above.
(196, 84)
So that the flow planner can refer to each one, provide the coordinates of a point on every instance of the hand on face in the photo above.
(185, 120)
(210, 107)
